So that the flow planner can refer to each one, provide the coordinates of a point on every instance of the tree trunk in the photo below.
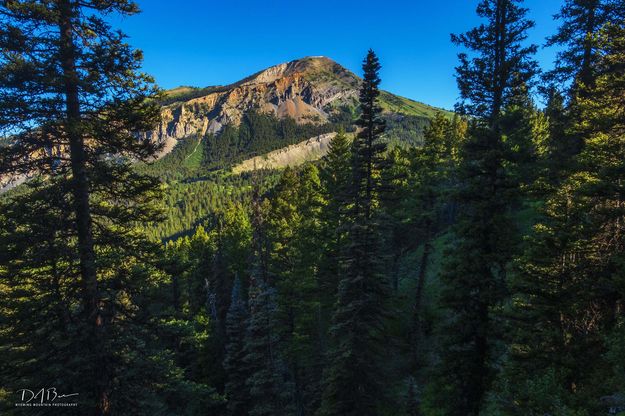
(80, 189)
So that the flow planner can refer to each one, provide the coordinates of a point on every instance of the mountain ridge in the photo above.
(312, 90)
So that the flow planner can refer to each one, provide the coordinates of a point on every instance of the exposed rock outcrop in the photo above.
(304, 89)
(309, 90)
(293, 155)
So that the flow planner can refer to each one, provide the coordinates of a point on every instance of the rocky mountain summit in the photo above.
(309, 90)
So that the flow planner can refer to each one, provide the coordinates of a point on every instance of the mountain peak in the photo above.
(313, 89)
(310, 67)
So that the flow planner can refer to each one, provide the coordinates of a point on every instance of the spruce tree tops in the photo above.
(581, 20)
(367, 148)
(354, 377)
(500, 62)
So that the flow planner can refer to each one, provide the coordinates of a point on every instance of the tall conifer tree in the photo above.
(581, 21)
(236, 390)
(568, 292)
(575, 69)
(354, 377)
(474, 272)
(335, 178)
(71, 95)
(268, 383)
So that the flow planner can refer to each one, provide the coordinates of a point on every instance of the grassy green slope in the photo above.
(400, 105)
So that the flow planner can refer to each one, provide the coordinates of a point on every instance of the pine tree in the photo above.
(335, 178)
(269, 390)
(39, 274)
(202, 252)
(581, 21)
(212, 286)
(236, 390)
(600, 199)
(525, 134)
(474, 273)
(268, 384)
(71, 96)
(335, 171)
(40, 259)
(566, 290)
(392, 210)
(307, 347)
(576, 65)
(501, 65)
(294, 233)
(559, 148)
(354, 376)
(545, 298)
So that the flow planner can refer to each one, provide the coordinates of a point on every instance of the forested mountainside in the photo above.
(272, 109)
(285, 113)
(306, 244)
(310, 91)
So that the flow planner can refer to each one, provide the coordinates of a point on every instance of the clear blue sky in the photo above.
(216, 42)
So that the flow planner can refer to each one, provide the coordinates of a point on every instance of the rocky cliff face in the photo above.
(307, 90)
(294, 155)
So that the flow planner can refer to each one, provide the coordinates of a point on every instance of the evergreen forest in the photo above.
(467, 263)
